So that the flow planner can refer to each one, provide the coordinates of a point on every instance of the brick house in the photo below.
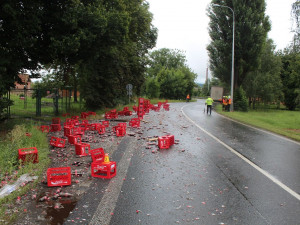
(25, 81)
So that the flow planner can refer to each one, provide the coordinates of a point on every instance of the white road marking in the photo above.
(103, 213)
(272, 178)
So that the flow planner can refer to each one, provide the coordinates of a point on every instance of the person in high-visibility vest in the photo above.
(188, 98)
(229, 103)
(224, 103)
(209, 101)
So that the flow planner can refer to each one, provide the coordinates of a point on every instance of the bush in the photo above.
(240, 102)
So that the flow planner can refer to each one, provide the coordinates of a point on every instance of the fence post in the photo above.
(56, 102)
(38, 103)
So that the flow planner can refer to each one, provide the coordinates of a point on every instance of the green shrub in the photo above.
(240, 102)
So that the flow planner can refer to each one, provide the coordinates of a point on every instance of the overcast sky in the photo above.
(183, 24)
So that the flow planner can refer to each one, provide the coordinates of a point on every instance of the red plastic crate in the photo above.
(134, 122)
(44, 128)
(84, 115)
(92, 113)
(74, 139)
(75, 117)
(84, 126)
(166, 107)
(122, 125)
(68, 130)
(120, 131)
(134, 108)
(78, 131)
(55, 120)
(82, 149)
(101, 129)
(164, 142)
(60, 176)
(28, 155)
(105, 123)
(97, 155)
(55, 127)
(172, 139)
(58, 142)
(93, 126)
(66, 114)
(128, 113)
(104, 170)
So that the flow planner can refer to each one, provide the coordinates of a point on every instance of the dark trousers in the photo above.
(208, 109)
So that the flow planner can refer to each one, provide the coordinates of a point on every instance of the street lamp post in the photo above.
(232, 60)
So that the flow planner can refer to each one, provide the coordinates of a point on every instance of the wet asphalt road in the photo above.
(221, 172)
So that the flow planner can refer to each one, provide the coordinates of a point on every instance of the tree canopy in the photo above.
(251, 27)
(96, 45)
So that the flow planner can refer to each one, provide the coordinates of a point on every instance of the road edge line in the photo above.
(265, 173)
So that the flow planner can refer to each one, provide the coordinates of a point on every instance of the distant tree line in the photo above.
(260, 73)
(168, 75)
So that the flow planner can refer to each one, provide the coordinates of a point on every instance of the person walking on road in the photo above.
(209, 101)
(188, 98)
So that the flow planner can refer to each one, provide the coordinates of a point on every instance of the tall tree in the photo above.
(121, 52)
(265, 82)
(251, 27)
(290, 77)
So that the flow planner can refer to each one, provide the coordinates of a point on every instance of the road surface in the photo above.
(221, 172)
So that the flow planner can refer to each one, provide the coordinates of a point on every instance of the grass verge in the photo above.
(11, 168)
(283, 122)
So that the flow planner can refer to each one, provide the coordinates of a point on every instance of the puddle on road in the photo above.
(59, 211)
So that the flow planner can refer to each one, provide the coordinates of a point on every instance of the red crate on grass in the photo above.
(55, 127)
(74, 139)
(28, 155)
(58, 142)
(55, 120)
(82, 149)
(121, 113)
(164, 142)
(103, 169)
(66, 114)
(97, 155)
(60, 176)
(84, 115)
(44, 128)
(128, 113)
(91, 113)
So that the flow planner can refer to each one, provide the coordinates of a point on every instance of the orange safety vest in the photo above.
(224, 101)
(229, 101)
(188, 96)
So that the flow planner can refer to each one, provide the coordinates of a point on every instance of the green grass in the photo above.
(283, 122)
(11, 168)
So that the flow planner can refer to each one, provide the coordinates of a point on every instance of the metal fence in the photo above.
(40, 102)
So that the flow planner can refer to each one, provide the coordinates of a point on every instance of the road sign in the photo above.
(129, 87)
